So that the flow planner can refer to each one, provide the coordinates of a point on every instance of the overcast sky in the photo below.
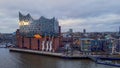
(92, 15)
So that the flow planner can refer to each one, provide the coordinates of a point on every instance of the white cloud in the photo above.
(94, 15)
(101, 23)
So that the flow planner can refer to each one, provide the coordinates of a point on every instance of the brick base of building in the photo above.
(37, 44)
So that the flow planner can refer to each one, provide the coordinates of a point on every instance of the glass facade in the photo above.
(43, 26)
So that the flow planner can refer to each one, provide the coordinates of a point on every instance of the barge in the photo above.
(107, 62)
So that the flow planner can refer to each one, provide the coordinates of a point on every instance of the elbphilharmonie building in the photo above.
(43, 26)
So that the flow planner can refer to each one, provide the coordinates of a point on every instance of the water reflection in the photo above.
(23, 60)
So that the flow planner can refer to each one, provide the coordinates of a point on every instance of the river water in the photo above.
(23, 60)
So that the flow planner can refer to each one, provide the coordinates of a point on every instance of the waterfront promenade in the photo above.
(65, 55)
(61, 55)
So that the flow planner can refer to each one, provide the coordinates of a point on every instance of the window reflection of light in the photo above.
(22, 23)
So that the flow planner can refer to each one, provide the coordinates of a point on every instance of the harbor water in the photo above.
(23, 60)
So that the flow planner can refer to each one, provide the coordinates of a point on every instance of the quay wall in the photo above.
(52, 54)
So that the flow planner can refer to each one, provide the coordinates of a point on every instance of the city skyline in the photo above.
(92, 15)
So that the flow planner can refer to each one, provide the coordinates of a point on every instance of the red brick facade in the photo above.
(36, 44)
(26, 43)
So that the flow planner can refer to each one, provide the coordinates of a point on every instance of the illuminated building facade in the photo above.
(42, 34)
(43, 26)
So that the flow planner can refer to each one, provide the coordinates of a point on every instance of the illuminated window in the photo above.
(22, 23)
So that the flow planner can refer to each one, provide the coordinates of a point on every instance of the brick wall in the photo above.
(56, 44)
(26, 43)
(36, 44)
(20, 42)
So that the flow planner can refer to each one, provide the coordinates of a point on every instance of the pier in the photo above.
(53, 54)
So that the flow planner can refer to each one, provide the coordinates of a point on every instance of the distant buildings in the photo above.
(70, 30)
(84, 31)
(7, 38)
(94, 42)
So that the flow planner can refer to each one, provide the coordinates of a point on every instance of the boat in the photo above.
(107, 62)
(108, 58)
